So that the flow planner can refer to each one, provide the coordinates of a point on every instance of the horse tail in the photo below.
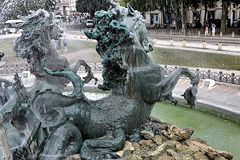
(73, 77)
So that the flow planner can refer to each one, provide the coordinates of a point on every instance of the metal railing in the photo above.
(216, 76)
(220, 76)
(11, 69)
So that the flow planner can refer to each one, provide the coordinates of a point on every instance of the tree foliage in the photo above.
(207, 4)
(178, 8)
(140, 5)
(225, 6)
(86, 6)
(10, 9)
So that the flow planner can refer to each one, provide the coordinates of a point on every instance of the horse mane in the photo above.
(129, 12)
(35, 29)
(138, 19)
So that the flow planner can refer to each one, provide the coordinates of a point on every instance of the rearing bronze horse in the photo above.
(100, 128)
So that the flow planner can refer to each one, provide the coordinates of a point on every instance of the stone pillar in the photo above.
(202, 15)
(184, 43)
(160, 18)
(204, 44)
(67, 11)
(238, 11)
(171, 42)
(148, 20)
(190, 16)
(220, 46)
(231, 15)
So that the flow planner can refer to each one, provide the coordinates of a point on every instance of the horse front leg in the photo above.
(168, 84)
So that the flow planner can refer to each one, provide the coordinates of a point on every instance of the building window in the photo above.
(156, 17)
(211, 5)
(151, 18)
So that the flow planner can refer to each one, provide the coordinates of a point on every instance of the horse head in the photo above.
(136, 24)
(38, 30)
(34, 44)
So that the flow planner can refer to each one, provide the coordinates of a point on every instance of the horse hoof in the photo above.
(175, 102)
(195, 81)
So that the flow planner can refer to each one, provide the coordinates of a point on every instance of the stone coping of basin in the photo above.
(212, 108)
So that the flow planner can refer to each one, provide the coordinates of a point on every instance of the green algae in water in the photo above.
(219, 133)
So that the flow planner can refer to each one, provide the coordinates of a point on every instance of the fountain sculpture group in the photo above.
(42, 123)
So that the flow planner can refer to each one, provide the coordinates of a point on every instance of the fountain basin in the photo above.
(217, 132)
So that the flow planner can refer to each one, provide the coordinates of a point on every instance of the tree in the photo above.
(140, 5)
(166, 6)
(10, 9)
(206, 4)
(86, 6)
(225, 6)
(178, 8)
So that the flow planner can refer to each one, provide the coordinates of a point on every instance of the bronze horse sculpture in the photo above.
(34, 44)
(97, 129)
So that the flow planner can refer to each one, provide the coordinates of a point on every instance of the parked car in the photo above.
(90, 23)
(10, 26)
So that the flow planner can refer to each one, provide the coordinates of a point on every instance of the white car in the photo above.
(10, 26)
(90, 23)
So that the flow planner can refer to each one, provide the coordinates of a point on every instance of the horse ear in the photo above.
(130, 9)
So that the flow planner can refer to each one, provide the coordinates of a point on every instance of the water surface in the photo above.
(219, 133)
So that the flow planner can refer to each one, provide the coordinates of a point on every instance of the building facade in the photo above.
(195, 17)
(66, 7)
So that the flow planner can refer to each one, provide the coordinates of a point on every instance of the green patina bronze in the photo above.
(112, 36)
(72, 124)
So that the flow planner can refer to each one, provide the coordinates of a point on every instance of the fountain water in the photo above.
(94, 128)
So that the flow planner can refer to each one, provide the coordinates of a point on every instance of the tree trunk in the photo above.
(183, 17)
(177, 15)
(177, 19)
(205, 14)
(224, 16)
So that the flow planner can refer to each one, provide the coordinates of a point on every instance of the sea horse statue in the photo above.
(34, 44)
(97, 129)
